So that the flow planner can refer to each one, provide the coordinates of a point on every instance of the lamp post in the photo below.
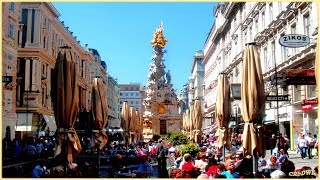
(28, 90)
(276, 84)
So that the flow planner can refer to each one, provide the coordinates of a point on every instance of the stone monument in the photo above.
(160, 104)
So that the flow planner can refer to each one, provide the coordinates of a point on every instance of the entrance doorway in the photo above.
(163, 126)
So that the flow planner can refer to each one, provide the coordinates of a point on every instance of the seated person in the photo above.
(188, 166)
(144, 168)
(201, 163)
(230, 173)
(273, 164)
(282, 156)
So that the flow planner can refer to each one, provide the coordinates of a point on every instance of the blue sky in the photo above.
(122, 32)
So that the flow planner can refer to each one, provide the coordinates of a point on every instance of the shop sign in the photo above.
(277, 98)
(6, 79)
(310, 101)
(294, 40)
(306, 107)
(300, 72)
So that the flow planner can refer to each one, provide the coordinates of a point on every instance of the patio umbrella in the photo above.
(253, 100)
(138, 126)
(65, 99)
(125, 118)
(223, 111)
(99, 112)
(197, 118)
(253, 104)
(191, 122)
(187, 118)
(131, 122)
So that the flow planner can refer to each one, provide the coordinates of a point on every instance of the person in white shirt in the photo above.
(201, 163)
(302, 144)
(273, 164)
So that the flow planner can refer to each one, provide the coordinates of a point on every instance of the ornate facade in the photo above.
(264, 22)
(10, 27)
(40, 35)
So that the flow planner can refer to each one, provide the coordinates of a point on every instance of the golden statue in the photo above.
(159, 39)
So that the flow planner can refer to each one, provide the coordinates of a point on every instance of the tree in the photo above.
(156, 137)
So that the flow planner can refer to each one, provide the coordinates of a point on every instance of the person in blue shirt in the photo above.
(145, 167)
(230, 173)
(40, 170)
(282, 156)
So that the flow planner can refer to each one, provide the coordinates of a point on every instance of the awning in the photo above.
(51, 122)
(24, 122)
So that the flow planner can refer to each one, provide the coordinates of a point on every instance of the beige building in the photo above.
(265, 22)
(10, 27)
(40, 35)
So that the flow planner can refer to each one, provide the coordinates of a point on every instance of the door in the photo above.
(163, 126)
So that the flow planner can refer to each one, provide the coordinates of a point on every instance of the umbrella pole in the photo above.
(224, 154)
(98, 153)
(254, 165)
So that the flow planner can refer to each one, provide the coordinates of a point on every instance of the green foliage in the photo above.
(156, 137)
(169, 134)
(192, 149)
(178, 138)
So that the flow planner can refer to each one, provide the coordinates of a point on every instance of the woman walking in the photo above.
(302, 144)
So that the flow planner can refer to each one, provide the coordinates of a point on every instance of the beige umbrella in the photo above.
(223, 111)
(99, 112)
(253, 101)
(138, 126)
(125, 118)
(132, 120)
(197, 118)
(66, 102)
(187, 117)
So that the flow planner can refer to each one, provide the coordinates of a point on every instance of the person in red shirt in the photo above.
(188, 165)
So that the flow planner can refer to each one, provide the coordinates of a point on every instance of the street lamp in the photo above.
(28, 90)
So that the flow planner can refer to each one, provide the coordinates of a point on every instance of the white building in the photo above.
(132, 93)
(196, 82)
(264, 22)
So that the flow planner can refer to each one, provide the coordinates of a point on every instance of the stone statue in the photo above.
(168, 77)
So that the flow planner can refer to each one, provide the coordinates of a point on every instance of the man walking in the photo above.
(161, 158)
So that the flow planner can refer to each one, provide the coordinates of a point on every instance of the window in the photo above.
(131, 102)
(283, 52)
(9, 66)
(120, 95)
(137, 102)
(271, 12)
(306, 23)
(297, 93)
(273, 47)
(131, 88)
(280, 6)
(131, 94)
(312, 91)
(137, 94)
(250, 34)
(126, 94)
(256, 26)
(263, 20)
(11, 30)
(265, 59)
(11, 7)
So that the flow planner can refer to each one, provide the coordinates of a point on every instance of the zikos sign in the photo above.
(294, 40)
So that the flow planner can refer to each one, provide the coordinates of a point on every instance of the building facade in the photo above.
(264, 23)
(196, 83)
(184, 99)
(40, 35)
(113, 93)
(132, 94)
(10, 27)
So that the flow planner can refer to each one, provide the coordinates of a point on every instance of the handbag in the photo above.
(314, 152)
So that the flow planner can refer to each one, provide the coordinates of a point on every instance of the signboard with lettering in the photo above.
(277, 98)
(6, 79)
(294, 40)
(300, 72)
(307, 107)
(310, 101)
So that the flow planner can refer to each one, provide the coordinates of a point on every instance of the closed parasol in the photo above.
(66, 102)
(99, 112)
(253, 105)
(125, 118)
(223, 111)
(197, 118)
